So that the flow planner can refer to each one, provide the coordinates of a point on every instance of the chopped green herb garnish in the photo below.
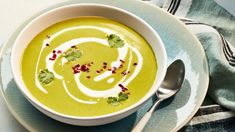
(72, 54)
(115, 41)
(113, 101)
(45, 76)
(117, 100)
(122, 96)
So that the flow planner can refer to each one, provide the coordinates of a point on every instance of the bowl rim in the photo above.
(149, 94)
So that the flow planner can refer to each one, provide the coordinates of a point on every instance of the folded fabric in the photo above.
(215, 28)
(211, 118)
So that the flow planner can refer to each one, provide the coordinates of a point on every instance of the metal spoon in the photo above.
(169, 87)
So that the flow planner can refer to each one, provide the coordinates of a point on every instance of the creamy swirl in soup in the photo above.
(88, 66)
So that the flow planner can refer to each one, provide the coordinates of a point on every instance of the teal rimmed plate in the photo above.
(172, 115)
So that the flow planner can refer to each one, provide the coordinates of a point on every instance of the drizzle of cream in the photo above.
(105, 30)
(63, 61)
(138, 67)
(95, 93)
(77, 99)
(110, 80)
(38, 84)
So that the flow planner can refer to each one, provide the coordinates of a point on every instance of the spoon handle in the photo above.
(141, 124)
(144, 120)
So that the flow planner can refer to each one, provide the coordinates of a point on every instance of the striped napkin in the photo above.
(215, 28)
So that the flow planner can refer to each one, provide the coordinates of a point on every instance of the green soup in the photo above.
(88, 66)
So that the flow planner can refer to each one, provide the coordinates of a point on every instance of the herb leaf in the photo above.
(122, 96)
(115, 41)
(117, 100)
(45, 76)
(112, 100)
(72, 54)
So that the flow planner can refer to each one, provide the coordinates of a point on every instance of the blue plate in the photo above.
(170, 116)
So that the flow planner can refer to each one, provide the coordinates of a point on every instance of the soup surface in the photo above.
(88, 66)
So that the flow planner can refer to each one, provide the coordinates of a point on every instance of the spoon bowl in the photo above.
(172, 81)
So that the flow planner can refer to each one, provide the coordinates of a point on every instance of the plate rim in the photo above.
(207, 67)
(144, 3)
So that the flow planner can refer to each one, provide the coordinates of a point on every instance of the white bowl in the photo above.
(75, 10)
